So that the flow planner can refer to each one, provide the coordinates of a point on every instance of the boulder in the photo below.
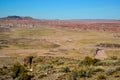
(100, 54)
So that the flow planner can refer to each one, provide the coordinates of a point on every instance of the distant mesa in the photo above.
(14, 17)
(18, 17)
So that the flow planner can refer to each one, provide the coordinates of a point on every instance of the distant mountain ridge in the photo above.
(17, 17)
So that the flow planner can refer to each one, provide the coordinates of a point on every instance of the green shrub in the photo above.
(25, 76)
(2, 72)
(96, 61)
(17, 70)
(59, 63)
(89, 61)
(72, 76)
(84, 72)
(110, 71)
(117, 68)
(98, 70)
(65, 69)
(114, 57)
(41, 76)
(116, 74)
(101, 63)
(46, 66)
(101, 77)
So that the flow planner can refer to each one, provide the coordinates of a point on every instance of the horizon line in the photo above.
(60, 18)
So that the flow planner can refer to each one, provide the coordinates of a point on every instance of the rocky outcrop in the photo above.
(100, 54)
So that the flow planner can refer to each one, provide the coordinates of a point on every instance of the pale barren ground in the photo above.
(56, 42)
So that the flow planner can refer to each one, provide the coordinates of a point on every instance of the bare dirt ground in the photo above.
(79, 38)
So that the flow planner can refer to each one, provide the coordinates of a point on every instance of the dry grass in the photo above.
(68, 43)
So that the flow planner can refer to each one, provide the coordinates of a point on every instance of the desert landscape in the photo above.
(36, 49)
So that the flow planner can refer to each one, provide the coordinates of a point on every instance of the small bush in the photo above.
(117, 68)
(46, 66)
(59, 63)
(82, 73)
(65, 69)
(89, 61)
(25, 76)
(96, 61)
(98, 70)
(2, 72)
(17, 70)
(110, 71)
(41, 76)
(101, 63)
(72, 76)
(114, 58)
(116, 74)
(85, 72)
(101, 77)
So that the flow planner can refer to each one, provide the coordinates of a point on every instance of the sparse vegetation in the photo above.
(18, 70)
(110, 71)
(45, 66)
(59, 54)
(65, 69)
(89, 61)
(101, 77)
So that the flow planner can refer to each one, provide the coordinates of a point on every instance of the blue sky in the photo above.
(62, 9)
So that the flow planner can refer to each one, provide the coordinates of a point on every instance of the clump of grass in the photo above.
(18, 70)
(46, 66)
(116, 74)
(98, 69)
(72, 76)
(114, 57)
(89, 61)
(117, 69)
(2, 72)
(82, 72)
(110, 71)
(25, 76)
(101, 77)
(101, 63)
(59, 62)
(41, 76)
(65, 69)
(85, 72)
